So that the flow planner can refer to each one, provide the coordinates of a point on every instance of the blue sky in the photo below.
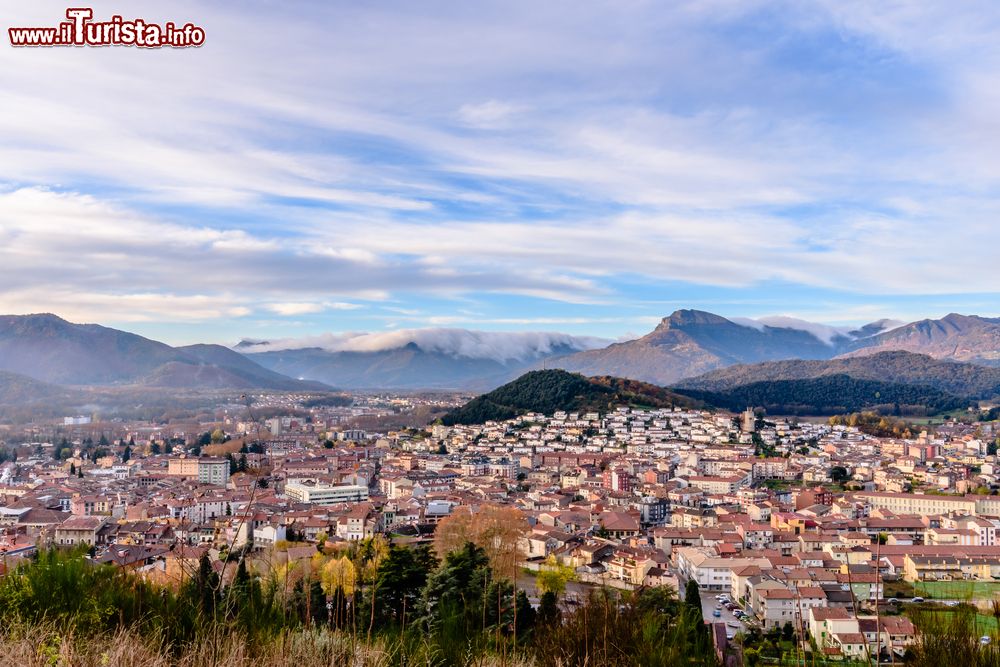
(585, 167)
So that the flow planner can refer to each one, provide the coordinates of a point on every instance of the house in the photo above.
(361, 522)
(774, 606)
(79, 530)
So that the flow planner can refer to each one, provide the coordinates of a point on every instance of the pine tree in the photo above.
(692, 597)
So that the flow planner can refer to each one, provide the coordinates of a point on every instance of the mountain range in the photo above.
(690, 343)
(695, 351)
(48, 349)
(957, 337)
(425, 359)
(957, 378)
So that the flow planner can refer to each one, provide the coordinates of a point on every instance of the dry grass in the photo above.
(42, 647)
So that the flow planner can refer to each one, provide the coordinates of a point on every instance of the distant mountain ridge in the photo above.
(692, 342)
(17, 389)
(896, 366)
(969, 338)
(685, 345)
(407, 367)
(50, 349)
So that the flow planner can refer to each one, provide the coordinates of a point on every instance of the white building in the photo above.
(320, 494)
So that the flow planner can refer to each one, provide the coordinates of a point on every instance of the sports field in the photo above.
(957, 590)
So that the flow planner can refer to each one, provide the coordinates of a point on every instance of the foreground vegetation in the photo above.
(369, 605)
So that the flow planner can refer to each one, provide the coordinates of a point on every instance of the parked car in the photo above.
(984, 640)
(717, 613)
(917, 600)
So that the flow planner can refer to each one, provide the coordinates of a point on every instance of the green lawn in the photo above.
(957, 590)
(985, 623)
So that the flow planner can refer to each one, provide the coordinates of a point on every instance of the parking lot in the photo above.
(708, 604)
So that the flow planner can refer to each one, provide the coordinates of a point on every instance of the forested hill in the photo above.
(549, 391)
(953, 377)
(831, 394)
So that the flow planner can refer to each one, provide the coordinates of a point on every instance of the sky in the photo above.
(580, 167)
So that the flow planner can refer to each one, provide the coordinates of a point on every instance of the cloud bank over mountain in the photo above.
(500, 346)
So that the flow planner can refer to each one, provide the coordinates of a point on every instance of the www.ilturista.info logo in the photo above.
(82, 30)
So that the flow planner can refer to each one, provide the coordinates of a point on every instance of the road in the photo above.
(708, 604)
(575, 591)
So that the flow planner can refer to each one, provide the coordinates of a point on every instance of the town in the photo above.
(806, 528)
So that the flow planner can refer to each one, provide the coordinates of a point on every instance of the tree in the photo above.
(217, 436)
(692, 596)
(548, 610)
(72, 469)
(496, 530)
(553, 577)
(839, 474)
(401, 578)
(787, 631)
(127, 454)
(455, 590)
(154, 448)
(205, 586)
(659, 600)
(525, 616)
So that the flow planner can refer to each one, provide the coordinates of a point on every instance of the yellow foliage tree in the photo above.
(553, 576)
(339, 574)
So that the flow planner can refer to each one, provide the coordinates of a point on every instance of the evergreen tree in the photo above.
(548, 610)
(317, 604)
(692, 596)
(454, 593)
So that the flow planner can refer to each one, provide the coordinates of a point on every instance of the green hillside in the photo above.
(553, 390)
(831, 394)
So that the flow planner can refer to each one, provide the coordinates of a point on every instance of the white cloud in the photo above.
(497, 345)
(305, 308)
(490, 114)
(659, 142)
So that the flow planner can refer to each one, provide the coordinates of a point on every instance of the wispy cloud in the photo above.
(582, 154)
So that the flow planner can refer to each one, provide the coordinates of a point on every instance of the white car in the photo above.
(984, 640)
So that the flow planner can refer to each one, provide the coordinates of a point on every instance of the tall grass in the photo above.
(62, 611)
